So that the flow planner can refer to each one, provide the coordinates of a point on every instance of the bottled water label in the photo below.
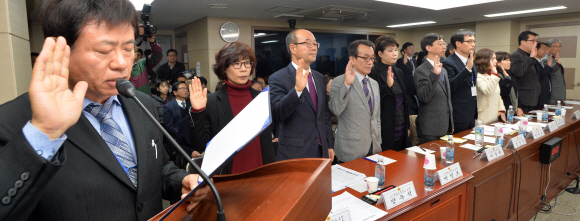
(558, 112)
(499, 141)
(479, 130)
(544, 117)
(510, 118)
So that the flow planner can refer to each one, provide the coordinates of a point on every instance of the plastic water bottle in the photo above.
(450, 150)
(479, 134)
(545, 114)
(559, 109)
(498, 132)
(380, 172)
(510, 115)
(499, 140)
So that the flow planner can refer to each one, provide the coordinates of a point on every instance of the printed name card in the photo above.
(552, 126)
(517, 141)
(559, 121)
(343, 215)
(492, 153)
(449, 173)
(537, 132)
(398, 196)
(576, 115)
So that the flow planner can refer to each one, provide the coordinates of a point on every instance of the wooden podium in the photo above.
(297, 189)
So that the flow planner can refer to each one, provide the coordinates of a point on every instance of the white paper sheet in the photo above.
(554, 106)
(418, 150)
(470, 146)
(343, 177)
(486, 139)
(248, 124)
(572, 102)
(359, 210)
(375, 158)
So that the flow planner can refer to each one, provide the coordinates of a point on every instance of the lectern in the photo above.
(297, 189)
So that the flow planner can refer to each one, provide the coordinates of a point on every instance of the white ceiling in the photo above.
(171, 14)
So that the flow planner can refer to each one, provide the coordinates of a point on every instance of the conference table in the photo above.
(507, 188)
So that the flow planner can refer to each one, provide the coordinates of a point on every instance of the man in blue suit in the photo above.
(299, 105)
(462, 79)
(177, 121)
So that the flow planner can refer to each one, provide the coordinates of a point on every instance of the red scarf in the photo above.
(489, 72)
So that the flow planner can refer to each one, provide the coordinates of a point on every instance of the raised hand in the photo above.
(301, 78)
(504, 72)
(550, 61)
(520, 112)
(437, 65)
(349, 74)
(558, 58)
(502, 116)
(197, 94)
(493, 67)
(469, 65)
(534, 51)
(405, 59)
(390, 76)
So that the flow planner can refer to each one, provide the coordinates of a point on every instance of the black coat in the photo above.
(505, 86)
(523, 68)
(217, 114)
(545, 84)
(166, 73)
(464, 104)
(388, 105)
(409, 82)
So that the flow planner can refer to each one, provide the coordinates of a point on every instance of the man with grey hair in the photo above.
(298, 101)
(557, 75)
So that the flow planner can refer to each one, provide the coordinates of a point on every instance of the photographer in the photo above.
(140, 73)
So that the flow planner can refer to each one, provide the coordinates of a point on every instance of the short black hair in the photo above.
(502, 55)
(157, 84)
(353, 46)
(540, 43)
(175, 85)
(171, 50)
(67, 18)
(140, 51)
(383, 42)
(203, 80)
(407, 44)
(459, 36)
(180, 75)
(147, 52)
(428, 40)
(525, 35)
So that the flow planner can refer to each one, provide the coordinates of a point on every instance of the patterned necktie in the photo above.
(312, 91)
(182, 104)
(113, 136)
(366, 90)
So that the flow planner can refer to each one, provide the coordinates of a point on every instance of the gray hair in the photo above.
(551, 41)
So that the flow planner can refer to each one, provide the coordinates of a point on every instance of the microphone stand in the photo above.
(131, 94)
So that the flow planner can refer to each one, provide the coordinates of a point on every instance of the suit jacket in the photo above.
(523, 68)
(178, 125)
(506, 85)
(389, 105)
(489, 101)
(408, 70)
(299, 126)
(545, 84)
(557, 79)
(217, 114)
(436, 113)
(358, 128)
(460, 81)
(84, 181)
(166, 73)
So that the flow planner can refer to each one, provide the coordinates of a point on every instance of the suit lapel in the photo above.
(320, 92)
(87, 139)
(359, 90)
(224, 107)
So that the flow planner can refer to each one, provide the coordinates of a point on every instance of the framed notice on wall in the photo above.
(185, 60)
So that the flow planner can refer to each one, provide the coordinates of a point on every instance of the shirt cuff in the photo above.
(299, 93)
(41, 143)
(197, 110)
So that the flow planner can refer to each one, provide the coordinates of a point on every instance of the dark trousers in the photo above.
(459, 127)
(525, 108)
(426, 138)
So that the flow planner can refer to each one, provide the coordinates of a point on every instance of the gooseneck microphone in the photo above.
(127, 89)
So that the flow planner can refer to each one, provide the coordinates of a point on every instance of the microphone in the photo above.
(127, 89)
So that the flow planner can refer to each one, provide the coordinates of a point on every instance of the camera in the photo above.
(292, 23)
(149, 29)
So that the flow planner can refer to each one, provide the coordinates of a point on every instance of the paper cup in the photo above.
(442, 150)
(429, 162)
(539, 116)
(563, 111)
(372, 184)
(498, 130)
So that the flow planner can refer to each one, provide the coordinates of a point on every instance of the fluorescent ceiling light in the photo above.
(259, 35)
(411, 24)
(438, 5)
(139, 3)
(272, 41)
(526, 11)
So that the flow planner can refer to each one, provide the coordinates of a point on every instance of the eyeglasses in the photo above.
(533, 40)
(554, 46)
(442, 43)
(367, 59)
(247, 64)
(470, 42)
(171, 55)
(309, 44)
(182, 88)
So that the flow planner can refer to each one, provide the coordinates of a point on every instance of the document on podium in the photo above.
(248, 124)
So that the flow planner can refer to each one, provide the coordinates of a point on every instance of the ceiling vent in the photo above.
(283, 9)
(340, 13)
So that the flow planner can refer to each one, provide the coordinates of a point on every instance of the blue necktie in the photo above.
(366, 90)
(113, 136)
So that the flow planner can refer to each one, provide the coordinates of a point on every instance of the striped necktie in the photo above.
(366, 90)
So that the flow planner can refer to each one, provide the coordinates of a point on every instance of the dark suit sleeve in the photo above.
(162, 72)
(457, 78)
(180, 67)
(284, 101)
(546, 71)
(520, 65)
(201, 133)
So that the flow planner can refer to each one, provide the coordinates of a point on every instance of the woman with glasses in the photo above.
(394, 107)
(490, 106)
(234, 64)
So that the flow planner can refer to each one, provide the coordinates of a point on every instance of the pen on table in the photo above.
(385, 190)
(422, 148)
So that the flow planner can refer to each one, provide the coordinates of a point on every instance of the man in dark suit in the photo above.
(462, 80)
(172, 68)
(299, 105)
(523, 68)
(408, 64)
(71, 148)
(177, 121)
(544, 71)
(435, 117)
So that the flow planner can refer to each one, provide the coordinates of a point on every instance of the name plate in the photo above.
(343, 215)
(560, 121)
(492, 153)
(517, 141)
(398, 196)
(576, 115)
(552, 126)
(449, 173)
(537, 132)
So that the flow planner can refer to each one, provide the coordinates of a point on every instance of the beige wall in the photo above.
(446, 31)
(14, 50)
